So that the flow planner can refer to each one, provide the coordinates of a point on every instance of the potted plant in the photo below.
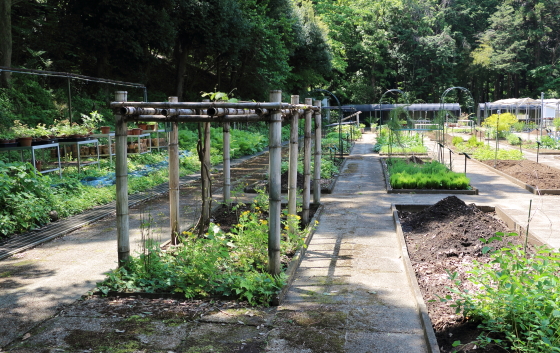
(151, 125)
(90, 122)
(105, 129)
(142, 125)
(23, 133)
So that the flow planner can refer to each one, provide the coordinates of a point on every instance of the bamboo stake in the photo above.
(274, 190)
(293, 161)
(307, 162)
(317, 152)
(121, 171)
(174, 179)
(227, 172)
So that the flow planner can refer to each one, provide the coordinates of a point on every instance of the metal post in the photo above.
(70, 100)
(497, 126)
(174, 179)
(121, 170)
(274, 190)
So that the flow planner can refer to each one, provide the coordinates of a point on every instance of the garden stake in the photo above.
(527, 230)
(520, 145)
(538, 149)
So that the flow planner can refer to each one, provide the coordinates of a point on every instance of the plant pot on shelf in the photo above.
(105, 129)
(137, 131)
(142, 126)
(152, 127)
(25, 141)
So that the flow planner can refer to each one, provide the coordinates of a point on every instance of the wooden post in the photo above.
(174, 179)
(293, 161)
(121, 170)
(317, 152)
(307, 162)
(227, 165)
(274, 189)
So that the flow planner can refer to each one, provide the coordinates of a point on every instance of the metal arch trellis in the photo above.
(380, 101)
(442, 102)
(340, 113)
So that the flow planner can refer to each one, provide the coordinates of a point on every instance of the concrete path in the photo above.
(352, 282)
(350, 294)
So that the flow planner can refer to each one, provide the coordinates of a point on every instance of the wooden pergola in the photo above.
(273, 112)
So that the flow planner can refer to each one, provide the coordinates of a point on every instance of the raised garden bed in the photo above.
(535, 177)
(440, 240)
(391, 190)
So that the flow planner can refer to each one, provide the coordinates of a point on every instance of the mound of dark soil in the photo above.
(446, 237)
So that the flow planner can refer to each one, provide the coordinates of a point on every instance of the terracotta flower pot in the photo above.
(25, 141)
(143, 126)
(105, 129)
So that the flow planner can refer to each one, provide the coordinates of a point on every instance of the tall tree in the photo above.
(5, 40)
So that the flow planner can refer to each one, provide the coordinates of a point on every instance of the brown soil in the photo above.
(529, 172)
(445, 237)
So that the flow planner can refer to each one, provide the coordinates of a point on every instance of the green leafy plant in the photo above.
(228, 264)
(517, 295)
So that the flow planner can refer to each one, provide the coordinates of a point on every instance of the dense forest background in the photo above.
(356, 49)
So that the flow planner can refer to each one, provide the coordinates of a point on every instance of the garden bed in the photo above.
(391, 190)
(230, 220)
(441, 240)
(535, 177)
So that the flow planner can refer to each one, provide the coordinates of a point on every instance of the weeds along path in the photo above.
(243, 171)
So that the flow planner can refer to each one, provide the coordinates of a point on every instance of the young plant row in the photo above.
(429, 175)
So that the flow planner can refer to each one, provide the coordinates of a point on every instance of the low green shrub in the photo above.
(514, 140)
(457, 140)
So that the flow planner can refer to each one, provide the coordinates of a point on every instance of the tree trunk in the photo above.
(182, 57)
(5, 40)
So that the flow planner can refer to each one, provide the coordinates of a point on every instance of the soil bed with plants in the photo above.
(444, 241)
(416, 175)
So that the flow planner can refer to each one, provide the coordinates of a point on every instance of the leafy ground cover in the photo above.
(30, 199)
(229, 261)
(413, 173)
(484, 291)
